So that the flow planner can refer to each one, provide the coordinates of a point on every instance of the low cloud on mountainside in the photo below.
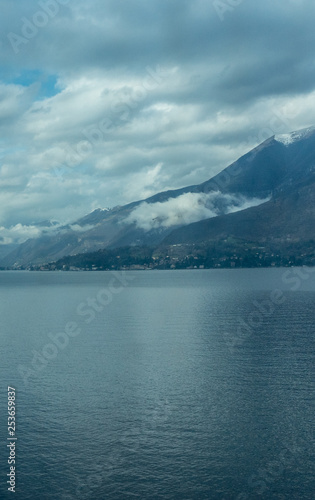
(20, 233)
(187, 208)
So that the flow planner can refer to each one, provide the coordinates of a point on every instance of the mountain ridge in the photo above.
(251, 185)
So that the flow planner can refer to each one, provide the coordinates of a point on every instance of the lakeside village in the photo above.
(226, 255)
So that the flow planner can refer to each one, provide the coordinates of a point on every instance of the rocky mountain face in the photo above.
(266, 194)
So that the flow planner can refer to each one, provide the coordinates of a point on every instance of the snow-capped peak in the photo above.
(288, 139)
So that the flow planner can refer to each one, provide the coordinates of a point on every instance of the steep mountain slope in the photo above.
(269, 172)
(288, 217)
(6, 249)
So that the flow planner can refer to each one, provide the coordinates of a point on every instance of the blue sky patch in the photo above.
(48, 83)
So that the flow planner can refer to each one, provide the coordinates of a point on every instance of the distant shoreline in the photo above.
(155, 269)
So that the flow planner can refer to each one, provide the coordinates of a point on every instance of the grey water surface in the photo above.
(181, 385)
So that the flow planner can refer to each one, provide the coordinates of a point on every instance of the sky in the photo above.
(111, 101)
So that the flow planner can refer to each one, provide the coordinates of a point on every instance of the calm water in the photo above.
(168, 384)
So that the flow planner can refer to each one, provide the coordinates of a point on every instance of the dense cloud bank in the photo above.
(106, 102)
(188, 208)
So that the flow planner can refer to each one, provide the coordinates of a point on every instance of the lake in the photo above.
(181, 385)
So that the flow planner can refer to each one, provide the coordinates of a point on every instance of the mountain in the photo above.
(288, 216)
(267, 193)
(6, 249)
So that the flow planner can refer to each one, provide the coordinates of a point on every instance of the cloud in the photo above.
(18, 234)
(187, 208)
(81, 229)
(107, 90)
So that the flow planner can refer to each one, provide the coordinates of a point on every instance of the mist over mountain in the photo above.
(288, 216)
(266, 194)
